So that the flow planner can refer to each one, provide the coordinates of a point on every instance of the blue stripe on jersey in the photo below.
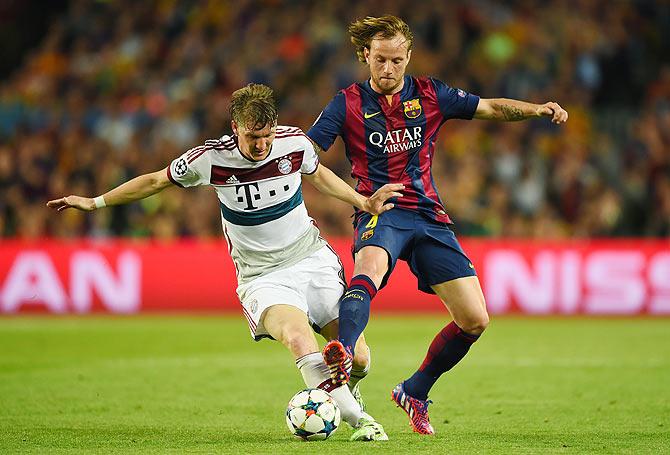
(414, 158)
(261, 216)
(378, 170)
(328, 125)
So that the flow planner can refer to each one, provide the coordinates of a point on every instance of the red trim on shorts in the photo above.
(252, 324)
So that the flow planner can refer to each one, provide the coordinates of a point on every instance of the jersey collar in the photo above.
(406, 87)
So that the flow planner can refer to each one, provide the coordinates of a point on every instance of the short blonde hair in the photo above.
(253, 106)
(364, 30)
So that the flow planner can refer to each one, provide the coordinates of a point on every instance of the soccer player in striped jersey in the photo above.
(289, 279)
(389, 125)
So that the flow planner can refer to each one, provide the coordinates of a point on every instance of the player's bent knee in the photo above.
(475, 325)
(371, 262)
(372, 271)
(298, 340)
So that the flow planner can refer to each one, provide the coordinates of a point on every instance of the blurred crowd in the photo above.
(116, 89)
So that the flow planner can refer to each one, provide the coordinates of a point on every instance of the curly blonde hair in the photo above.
(363, 31)
(253, 106)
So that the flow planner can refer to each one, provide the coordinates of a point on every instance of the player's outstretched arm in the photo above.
(513, 110)
(328, 183)
(132, 190)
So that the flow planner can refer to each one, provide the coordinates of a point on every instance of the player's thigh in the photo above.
(437, 257)
(321, 278)
(379, 241)
(372, 261)
(464, 299)
(265, 292)
(290, 325)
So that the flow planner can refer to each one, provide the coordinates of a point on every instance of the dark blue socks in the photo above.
(446, 350)
(355, 310)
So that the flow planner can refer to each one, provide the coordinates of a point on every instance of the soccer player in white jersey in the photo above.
(289, 279)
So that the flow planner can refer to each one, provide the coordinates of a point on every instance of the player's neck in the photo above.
(387, 95)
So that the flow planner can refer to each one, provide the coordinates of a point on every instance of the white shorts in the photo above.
(313, 285)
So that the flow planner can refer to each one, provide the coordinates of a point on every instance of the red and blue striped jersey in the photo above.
(394, 143)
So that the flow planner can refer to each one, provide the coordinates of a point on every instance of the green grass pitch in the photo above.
(180, 384)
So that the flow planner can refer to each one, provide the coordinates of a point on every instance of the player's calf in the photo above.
(360, 369)
(448, 348)
(355, 310)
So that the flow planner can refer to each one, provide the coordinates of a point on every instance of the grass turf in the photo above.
(199, 384)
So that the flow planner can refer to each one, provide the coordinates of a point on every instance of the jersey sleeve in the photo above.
(329, 123)
(310, 159)
(454, 102)
(193, 168)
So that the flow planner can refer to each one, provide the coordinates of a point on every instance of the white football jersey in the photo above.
(264, 217)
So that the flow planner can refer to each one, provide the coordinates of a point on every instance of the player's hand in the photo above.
(557, 113)
(376, 203)
(75, 202)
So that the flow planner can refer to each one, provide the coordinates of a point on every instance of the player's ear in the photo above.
(366, 55)
(409, 54)
(233, 125)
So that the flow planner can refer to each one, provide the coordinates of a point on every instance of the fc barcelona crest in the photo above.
(367, 234)
(412, 108)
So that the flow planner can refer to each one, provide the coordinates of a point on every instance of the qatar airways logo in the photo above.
(397, 140)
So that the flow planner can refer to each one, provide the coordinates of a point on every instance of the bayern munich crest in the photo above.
(285, 166)
(253, 305)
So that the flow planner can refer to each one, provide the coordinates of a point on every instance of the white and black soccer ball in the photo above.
(312, 415)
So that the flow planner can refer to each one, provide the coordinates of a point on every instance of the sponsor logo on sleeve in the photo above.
(180, 167)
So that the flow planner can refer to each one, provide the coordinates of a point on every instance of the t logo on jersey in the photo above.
(412, 108)
(247, 195)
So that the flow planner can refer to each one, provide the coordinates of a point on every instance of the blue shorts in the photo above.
(429, 247)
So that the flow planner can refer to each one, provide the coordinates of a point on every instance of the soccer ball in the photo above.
(312, 415)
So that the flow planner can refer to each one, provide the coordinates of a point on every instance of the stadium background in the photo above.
(558, 221)
(94, 93)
